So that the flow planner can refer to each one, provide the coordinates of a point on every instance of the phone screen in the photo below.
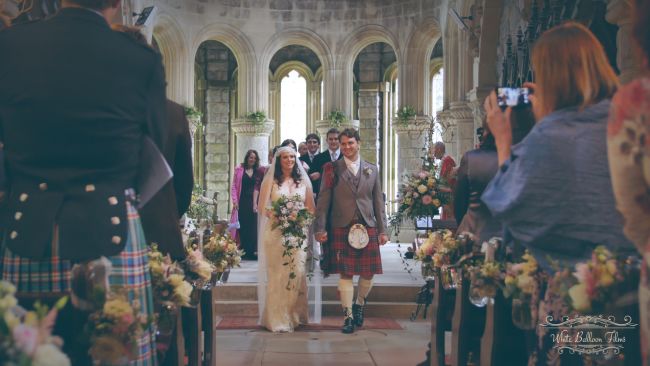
(512, 97)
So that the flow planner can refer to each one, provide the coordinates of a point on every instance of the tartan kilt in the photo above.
(130, 272)
(348, 261)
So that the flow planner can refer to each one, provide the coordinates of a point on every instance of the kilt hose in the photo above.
(343, 259)
(130, 273)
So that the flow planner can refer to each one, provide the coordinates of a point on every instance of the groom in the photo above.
(351, 197)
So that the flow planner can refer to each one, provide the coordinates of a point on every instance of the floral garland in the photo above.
(293, 220)
(26, 337)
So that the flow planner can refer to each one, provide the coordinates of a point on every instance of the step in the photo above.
(382, 293)
(395, 310)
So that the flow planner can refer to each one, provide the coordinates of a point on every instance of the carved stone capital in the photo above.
(244, 127)
(418, 124)
(461, 111)
(323, 125)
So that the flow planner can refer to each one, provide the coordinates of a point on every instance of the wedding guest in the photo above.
(332, 154)
(629, 163)
(447, 172)
(244, 194)
(477, 168)
(302, 148)
(71, 152)
(313, 148)
(552, 193)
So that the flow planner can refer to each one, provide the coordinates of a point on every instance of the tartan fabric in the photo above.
(130, 271)
(348, 261)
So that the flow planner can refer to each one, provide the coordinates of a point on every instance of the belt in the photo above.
(356, 220)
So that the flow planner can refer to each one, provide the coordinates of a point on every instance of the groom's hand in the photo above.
(321, 237)
(383, 239)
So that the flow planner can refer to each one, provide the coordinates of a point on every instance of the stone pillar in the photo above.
(217, 154)
(463, 119)
(324, 125)
(315, 107)
(619, 13)
(411, 138)
(274, 110)
(370, 112)
(252, 136)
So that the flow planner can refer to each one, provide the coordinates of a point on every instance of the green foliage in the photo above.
(336, 118)
(405, 114)
(198, 208)
(192, 113)
(257, 117)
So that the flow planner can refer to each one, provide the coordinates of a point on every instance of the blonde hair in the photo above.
(571, 69)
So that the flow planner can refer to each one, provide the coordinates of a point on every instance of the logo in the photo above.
(589, 334)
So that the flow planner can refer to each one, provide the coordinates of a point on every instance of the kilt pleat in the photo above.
(348, 261)
(130, 273)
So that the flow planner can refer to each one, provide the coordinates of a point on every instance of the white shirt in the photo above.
(334, 155)
(353, 166)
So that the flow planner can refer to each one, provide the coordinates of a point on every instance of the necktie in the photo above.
(354, 168)
(333, 155)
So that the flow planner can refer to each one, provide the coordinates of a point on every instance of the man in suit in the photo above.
(313, 147)
(333, 153)
(351, 199)
(160, 216)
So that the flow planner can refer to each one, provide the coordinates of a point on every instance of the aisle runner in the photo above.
(328, 323)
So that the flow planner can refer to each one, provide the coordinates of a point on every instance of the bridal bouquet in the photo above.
(26, 337)
(293, 220)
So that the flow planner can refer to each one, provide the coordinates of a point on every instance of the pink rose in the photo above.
(26, 338)
(422, 175)
(426, 199)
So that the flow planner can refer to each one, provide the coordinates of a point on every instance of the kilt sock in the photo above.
(346, 291)
(363, 290)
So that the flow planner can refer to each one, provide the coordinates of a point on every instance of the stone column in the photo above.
(370, 111)
(274, 110)
(314, 102)
(252, 136)
(619, 13)
(217, 139)
(324, 125)
(411, 138)
(463, 119)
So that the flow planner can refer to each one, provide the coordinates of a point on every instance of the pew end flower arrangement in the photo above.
(292, 218)
(522, 284)
(222, 252)
(197, 269)
(26, 336)
(444, 253)
(420, 195)
(168, 280)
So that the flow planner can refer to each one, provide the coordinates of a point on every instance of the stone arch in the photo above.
(284, 69)
(241, 47)
(300, 37)
(171, 41)
(416, 71)
(352, 46)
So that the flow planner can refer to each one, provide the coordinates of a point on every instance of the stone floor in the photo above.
(365, 347)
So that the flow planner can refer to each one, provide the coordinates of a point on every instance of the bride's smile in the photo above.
(287, 161)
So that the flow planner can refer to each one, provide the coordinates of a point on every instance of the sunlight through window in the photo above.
(436, 100)
(293, 115)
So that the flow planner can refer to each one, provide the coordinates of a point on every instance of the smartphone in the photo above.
(512, 97)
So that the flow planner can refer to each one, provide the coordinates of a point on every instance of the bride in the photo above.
(282, 309)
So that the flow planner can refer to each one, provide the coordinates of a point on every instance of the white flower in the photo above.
(49, 355)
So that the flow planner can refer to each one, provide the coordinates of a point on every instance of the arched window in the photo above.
(293, 110)
(437, 90)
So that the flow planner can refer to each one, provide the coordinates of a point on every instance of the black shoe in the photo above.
(357, 313)
(348, 326)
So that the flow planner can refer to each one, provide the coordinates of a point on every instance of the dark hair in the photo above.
(640, 29)
(288, 142)
(312, 136)
(295, 173)
(94, 4)
(257, 159)
(332, 130)
(350, 133)
(486, 139)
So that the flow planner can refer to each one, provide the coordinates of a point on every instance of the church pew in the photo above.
(176, 353)
(466, 327)
(192, 334)
(502, 343)
(209, 325)
(441, 312)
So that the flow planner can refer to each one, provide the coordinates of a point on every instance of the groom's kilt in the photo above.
(348, 261)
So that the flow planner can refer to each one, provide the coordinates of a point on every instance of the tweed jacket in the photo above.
(76, 101)
(338, 190)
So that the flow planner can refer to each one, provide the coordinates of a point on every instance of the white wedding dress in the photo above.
(284, 309)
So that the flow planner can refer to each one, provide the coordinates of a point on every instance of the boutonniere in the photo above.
(367, 170)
